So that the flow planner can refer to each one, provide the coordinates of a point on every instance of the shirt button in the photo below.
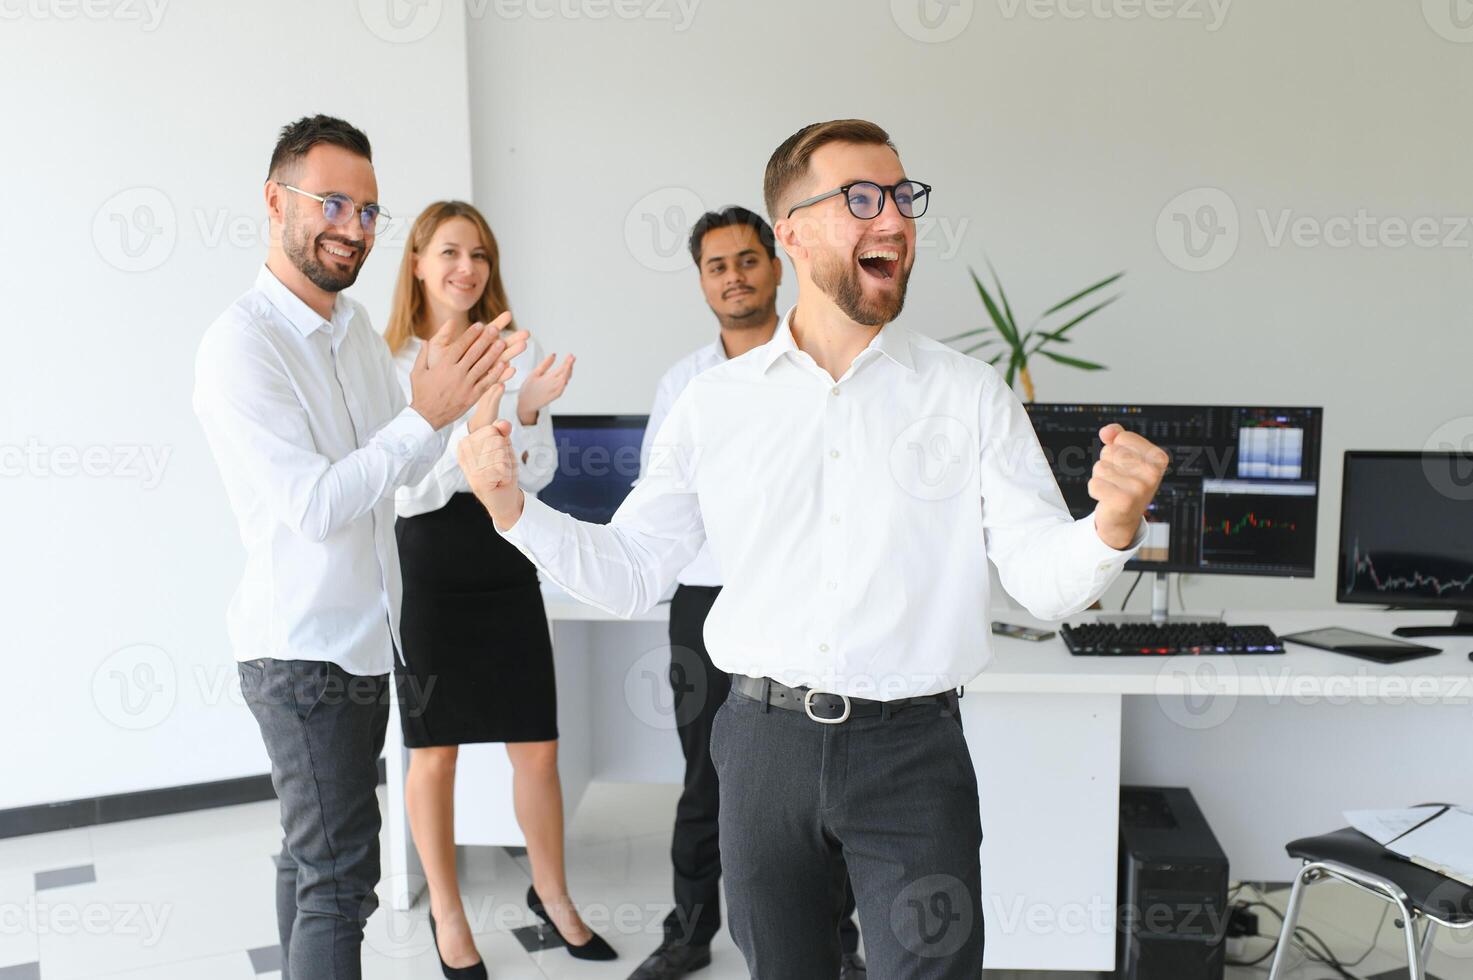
(833, 586)
(834, 453)
(834, 390)
(823, 648)
(834, 519)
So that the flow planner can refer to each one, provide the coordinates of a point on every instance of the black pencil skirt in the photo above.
(478, 654)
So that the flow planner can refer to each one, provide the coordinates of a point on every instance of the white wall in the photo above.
(1055, 141)
(189, 105)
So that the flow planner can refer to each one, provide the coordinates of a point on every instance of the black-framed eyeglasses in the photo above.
(866, 199)
(339, 209)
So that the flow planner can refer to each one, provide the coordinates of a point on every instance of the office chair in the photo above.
(1420, 896)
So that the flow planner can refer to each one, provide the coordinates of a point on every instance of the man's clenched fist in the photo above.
(489, 462)
(1124, 480)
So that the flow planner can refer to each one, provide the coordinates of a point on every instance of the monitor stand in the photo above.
(1462, 625)
(1160, 612)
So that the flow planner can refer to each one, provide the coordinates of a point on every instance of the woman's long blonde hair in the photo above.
(409, 307)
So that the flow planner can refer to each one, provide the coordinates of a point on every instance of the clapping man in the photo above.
(308, 424)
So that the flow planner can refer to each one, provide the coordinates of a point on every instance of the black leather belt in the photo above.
(830, 709)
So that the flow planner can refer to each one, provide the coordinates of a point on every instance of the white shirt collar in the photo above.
(890, 341)
(298, 313)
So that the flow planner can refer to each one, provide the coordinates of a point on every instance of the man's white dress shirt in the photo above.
(852, 520)
(312, 435)
(703, 569)
(446, 478)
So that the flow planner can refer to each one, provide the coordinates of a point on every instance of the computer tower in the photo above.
(1173, 889)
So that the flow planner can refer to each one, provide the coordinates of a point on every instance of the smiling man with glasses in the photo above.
(305, 415)
(852, 478)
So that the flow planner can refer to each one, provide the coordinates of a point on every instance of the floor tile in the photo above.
(265, 959)
(227, 966)
(199, 839)
(148, 921)
(80, 874)
(191, 895)
(504, 960)
(40, 852)
(17, 933)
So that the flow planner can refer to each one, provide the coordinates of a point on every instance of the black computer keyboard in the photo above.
(1157, 639)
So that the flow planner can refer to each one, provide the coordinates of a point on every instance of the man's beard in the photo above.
(756, 316)
(302, 252)
(839, 280)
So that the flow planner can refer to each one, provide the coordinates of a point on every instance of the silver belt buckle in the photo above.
(808, 708)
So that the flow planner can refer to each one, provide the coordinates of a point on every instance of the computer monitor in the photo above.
(597, 464)
(1406, 534)
(1239, 497)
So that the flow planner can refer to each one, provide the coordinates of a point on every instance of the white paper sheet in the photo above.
(1383, 826)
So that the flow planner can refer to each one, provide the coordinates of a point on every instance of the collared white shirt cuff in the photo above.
(1095, 554)
(409, 433)
(538, 530)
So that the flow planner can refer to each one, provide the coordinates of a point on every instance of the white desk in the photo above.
(1272, 747)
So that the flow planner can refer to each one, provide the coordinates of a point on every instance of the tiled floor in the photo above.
(190, 896)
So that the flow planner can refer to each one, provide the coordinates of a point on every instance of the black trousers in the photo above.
(700, 688)
(889, 800)
(324, 729)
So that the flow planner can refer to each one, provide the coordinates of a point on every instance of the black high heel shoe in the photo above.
(476, 971)
(594, 949)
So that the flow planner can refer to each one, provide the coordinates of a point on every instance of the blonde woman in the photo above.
(478, 657)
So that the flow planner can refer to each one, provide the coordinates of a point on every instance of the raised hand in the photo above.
(454, 369)
(543, 387)
(1123, 482)
(489, 462)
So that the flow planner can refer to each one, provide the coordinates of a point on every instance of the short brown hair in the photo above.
(789, 162)
(298, 137)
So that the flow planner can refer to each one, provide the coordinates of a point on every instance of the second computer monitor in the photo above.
(598, 462)
(1239, 496)
(1406, 530)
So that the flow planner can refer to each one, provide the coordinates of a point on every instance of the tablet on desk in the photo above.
(1367, 646)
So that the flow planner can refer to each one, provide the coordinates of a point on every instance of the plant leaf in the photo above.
(1014, 363)
(967, 333)
(1081, 294)
(1012, 321)
(994, 359)
(1003, 326)
(1057, 334)
(1072, 361)
(977, 347)
(989, 337)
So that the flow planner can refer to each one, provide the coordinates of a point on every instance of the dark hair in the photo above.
(298, 137)
(789, 162)
(726, 218)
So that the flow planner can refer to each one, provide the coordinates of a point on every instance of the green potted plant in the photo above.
(1019, 345)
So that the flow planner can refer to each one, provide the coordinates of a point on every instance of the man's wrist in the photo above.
(429, 419)
(506, 517)
(1115, 534)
